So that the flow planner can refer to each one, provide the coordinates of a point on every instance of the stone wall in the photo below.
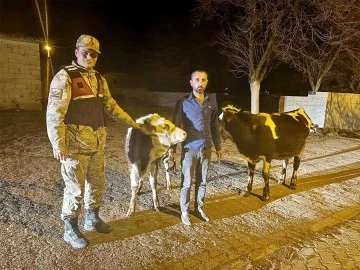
(343, 112)
(20, 74)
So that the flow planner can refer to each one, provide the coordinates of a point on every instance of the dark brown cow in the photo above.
(266, 137)
(145, 150)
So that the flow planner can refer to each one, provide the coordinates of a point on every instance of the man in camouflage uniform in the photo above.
(78, 98)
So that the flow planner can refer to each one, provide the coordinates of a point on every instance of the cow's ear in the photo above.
(167, 127)
(149, 128)
(229, 115)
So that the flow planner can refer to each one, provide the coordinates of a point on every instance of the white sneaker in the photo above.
(186, 219)
(203, 215)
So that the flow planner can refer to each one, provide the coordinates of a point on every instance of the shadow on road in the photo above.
(24, 211)
(139, 223)
(219, 207)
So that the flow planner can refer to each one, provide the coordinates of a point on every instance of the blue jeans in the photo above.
(193, 162)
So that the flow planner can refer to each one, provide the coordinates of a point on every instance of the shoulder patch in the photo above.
(55, 93)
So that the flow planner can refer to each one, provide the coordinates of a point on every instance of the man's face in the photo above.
(86, 57)
(198, 82)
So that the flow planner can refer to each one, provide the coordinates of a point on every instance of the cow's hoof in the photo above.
(281, 182)
(157, 209)
(138, 190)
(293, 187)
(168, 188)
(265, 199)
(130, 213)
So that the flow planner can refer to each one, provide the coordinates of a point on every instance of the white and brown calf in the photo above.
(145, 150)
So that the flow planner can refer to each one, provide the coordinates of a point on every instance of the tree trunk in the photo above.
(255, 96)
(317, 85)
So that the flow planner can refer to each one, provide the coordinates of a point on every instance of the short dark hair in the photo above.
(197, 70)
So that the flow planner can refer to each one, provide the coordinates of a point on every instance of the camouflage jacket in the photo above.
(77, 138)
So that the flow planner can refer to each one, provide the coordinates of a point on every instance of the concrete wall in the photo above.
(314, 105)
(20, 74)
(21, 88)
(331, 111)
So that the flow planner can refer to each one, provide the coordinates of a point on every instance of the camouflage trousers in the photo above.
(84, 177)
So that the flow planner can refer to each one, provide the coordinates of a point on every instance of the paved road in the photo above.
(315, 231)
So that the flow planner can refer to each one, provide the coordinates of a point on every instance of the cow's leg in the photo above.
(295, 169)
(140, 184)
(251, 171)
(285, 163)
(167, 174)
(134, 176)
(153, 183)
(266, 174)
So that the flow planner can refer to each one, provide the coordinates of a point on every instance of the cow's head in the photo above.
(225, 117)
(167, 133)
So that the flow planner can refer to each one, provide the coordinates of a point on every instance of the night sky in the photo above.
(118, 20)
(122, 27)
(128, 31)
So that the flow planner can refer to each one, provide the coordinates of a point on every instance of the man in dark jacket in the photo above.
(197, 113)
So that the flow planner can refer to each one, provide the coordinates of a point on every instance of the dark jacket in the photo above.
(200, 121)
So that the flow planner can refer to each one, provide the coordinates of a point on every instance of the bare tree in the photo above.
(255, 35)
(321, 33)
(344, 77)
(249, 34)
(354, 80)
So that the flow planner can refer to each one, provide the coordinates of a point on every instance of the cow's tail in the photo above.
(170, 161)
(313, 128)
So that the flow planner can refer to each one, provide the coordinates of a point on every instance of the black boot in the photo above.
(72, 235)
(94, 223)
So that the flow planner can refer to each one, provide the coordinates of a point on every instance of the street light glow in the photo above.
(48, 49)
